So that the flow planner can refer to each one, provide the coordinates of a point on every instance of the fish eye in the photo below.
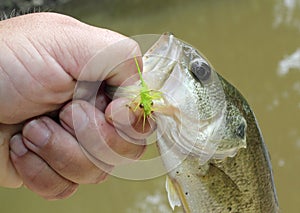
(201, 70)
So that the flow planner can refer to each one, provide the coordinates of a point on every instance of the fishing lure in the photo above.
(145, 99)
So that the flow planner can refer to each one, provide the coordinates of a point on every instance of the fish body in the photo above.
(226, 167)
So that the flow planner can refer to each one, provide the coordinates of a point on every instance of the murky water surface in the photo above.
(254, 44)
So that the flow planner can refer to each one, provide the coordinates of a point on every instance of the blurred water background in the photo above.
(254, 44)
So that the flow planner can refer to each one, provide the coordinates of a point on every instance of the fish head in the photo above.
(194, 115)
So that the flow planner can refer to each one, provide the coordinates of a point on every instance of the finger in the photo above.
(61, 151)
(8, 174)
(36, 173)
(97, 136)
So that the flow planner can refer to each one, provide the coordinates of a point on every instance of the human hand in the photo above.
(41, 59)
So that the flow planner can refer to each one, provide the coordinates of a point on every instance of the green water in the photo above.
(245, 41)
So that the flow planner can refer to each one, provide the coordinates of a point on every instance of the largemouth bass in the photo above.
(208, 136)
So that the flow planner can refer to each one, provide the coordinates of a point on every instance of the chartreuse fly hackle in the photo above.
(146, 97)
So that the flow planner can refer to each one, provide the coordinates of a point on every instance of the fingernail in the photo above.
(17, 146)
(37, 132)
(74, 116)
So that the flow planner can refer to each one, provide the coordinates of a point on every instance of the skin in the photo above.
(41, 128)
